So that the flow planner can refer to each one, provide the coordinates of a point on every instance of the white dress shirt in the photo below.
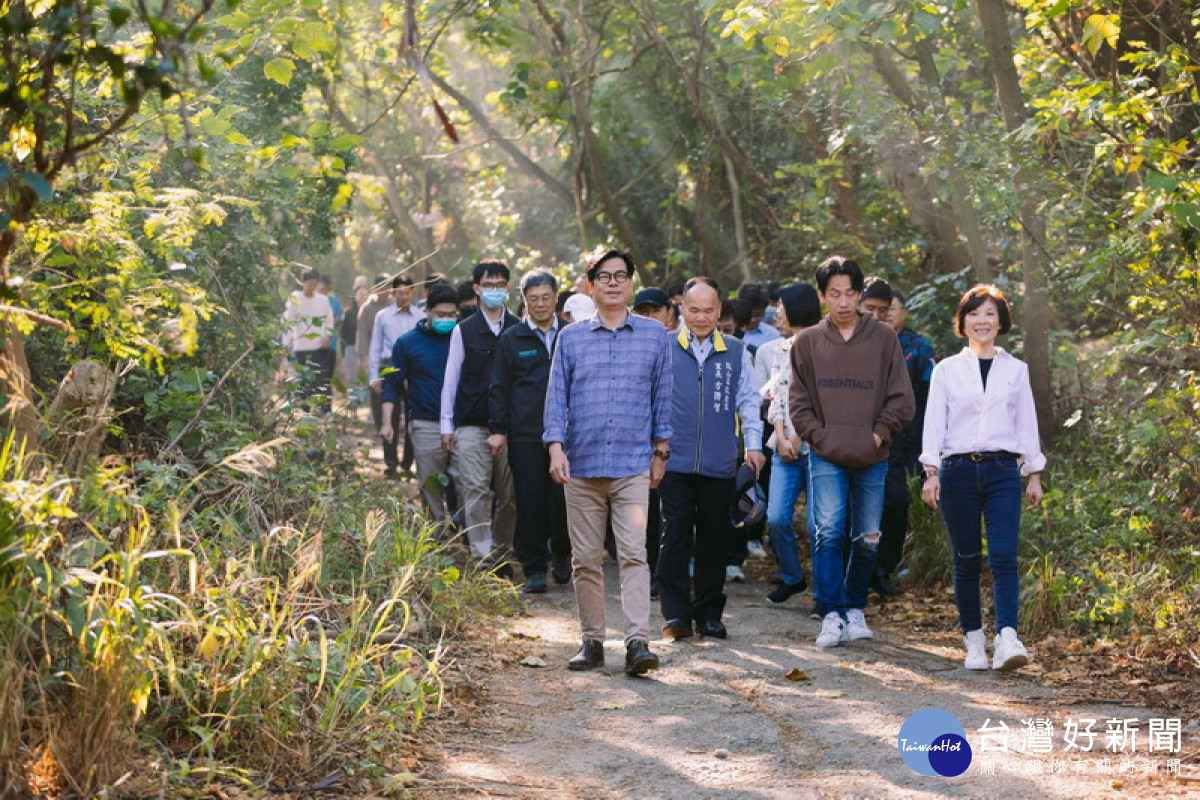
(390, 324)
(308, 321)
(454, 367)
(964, 417)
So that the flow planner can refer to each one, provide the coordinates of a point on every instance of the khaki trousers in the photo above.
(479, 474)
(588, 503)
(432, 461)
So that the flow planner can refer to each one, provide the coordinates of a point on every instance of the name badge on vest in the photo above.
(526, 353)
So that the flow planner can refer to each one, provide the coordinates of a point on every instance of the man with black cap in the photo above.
(714, 396)
(653, 302)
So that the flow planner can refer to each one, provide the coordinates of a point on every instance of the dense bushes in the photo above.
(262, 620)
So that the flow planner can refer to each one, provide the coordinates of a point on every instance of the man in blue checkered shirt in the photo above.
(607, 426)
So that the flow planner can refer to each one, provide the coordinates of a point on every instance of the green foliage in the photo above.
(166, 621)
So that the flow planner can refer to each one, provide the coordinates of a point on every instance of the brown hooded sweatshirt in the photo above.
(844, 390)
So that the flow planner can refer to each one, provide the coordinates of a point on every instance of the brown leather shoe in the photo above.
(638, 658)
(590, 656)
(677, 629)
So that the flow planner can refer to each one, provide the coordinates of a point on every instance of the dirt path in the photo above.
(721, 720)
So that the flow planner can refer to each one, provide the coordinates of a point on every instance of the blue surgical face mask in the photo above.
(771, 315)
(494, 297)
(443, 326)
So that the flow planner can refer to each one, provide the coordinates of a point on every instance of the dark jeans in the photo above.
(541, 510)
(315, 368)
(987, 492)
(893, 525)
(390, 459)
(696, 523)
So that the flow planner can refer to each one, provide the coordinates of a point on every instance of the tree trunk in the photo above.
(998, 40)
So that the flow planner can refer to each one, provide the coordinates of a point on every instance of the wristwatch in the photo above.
(663, 454)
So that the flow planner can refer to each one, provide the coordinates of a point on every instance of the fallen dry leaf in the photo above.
(797, 674)
(830, 694)
(533, 661)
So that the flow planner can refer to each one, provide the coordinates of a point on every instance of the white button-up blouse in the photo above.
(963, 417)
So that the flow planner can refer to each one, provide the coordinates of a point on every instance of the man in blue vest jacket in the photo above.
(714, 397)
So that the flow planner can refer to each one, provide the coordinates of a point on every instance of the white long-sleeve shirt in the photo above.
(390, 324)
(963, 417)
(309, 320)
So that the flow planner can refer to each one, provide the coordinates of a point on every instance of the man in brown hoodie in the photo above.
(850, 395)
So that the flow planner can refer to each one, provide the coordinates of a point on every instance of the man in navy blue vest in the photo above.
(464, 419)
(516, 403)
(714, 395)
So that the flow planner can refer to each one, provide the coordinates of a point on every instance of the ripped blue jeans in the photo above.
(838, 492)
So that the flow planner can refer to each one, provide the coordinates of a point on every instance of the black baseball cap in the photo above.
(749, 501)
(651, 296)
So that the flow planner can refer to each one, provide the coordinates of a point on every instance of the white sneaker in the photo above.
(856, 625)
(735, 574)
(833, 630)
(976, 644)
(755, 549)
(1007, 651)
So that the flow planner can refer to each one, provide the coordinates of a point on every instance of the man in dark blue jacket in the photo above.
(516, 400)
(714, 395)
(416, 374)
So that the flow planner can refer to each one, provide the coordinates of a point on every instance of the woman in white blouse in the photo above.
(980, 428)
(801, 308)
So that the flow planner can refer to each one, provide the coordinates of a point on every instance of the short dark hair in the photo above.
(594, 263)
(382, 279)
(674, 289)
(800, 304)
(876, 288)
(401, 280)
(489, 267)
(755, 295)
(772, 288)
(899, 295)
(976, 296)
(839, 265)
(466, 291)
(742, 311)
(726, 310)
(440, 293)
(325, 279)
(538, 277)
(563, 297)
(692, 283)
(310, 275)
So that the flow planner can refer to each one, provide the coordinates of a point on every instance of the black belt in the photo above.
(987, 455)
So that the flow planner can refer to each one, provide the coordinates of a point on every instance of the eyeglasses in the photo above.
(611, 277)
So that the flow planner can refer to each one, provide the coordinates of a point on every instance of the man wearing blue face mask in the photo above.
(417, 369)
(464, 419)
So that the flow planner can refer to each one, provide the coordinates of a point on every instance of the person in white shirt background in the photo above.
(980, 434)
(308, 329)
(389, 325)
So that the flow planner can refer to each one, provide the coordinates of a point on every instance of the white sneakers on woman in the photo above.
(976, 644)
(1007, 651)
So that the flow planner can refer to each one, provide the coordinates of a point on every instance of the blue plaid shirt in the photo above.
(609, 397)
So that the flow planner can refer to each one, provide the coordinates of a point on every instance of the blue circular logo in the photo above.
(933, 742)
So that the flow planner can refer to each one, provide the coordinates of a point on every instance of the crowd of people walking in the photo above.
(673, 430)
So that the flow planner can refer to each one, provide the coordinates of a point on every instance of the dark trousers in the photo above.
(390, 459)
(893, 525)
(696, 524)
(541, 509)
(653, 529)
(316, 377)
